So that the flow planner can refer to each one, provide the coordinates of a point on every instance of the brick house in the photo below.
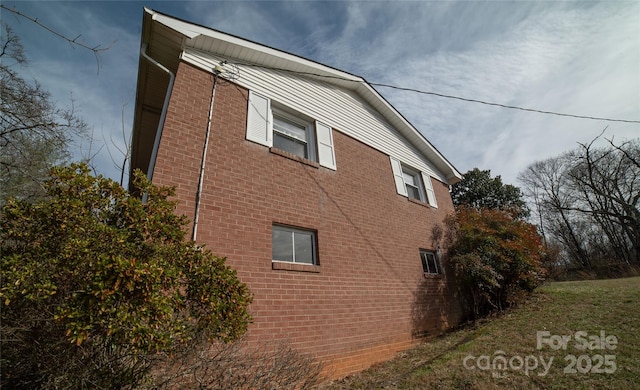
(320, 194)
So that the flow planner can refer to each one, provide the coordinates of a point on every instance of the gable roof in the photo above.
(165, 39)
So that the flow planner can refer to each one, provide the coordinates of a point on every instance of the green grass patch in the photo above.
(466, 358)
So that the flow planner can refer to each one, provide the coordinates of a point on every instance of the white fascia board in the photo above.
(409, 131)
(192, 31)
(184, 28)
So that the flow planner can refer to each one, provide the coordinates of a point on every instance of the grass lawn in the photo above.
(463, 359)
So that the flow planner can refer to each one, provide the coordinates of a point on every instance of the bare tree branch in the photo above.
(72, 41)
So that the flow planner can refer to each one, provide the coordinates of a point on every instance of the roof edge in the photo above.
(192, 30)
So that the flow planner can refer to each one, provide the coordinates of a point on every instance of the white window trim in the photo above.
(326, 150)
(396, 168)
(425, 190)
(259, 120)
(418, 182)
(308, 127)
(428, 188)
(260, 113)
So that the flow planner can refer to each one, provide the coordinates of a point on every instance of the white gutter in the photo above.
(163, 115)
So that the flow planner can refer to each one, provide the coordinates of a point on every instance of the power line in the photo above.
(444, 95)
(504, 105)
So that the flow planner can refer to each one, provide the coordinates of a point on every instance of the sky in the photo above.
(573, 57)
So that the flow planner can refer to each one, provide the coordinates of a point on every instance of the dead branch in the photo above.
(96, 50)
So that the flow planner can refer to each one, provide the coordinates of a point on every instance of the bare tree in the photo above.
(75, 42)
(609, 180)
(588, 200)
(34, 132)
(545, 183)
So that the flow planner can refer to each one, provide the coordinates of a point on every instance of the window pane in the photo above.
(425, 264)
(289, 145)
(413, 192)
(412, 183)
(291, 129)
(429, 263)
(282, 245)
(409, 179)
(433, 267)
(293, 245)
(304, 247)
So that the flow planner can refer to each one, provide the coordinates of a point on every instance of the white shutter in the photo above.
(396, 167)
(326, 153)
(259, 120)
(428, 186)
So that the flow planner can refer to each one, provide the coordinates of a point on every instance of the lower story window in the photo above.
(293, 245)
(429, 262)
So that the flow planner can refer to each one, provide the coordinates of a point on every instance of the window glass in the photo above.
(303, 244)
(290, 137)
(290, 129)
(282, 248)
(409, 179)
(293, 245)
(429, 262)
(413, 192)
(412, 183)
(290, 145)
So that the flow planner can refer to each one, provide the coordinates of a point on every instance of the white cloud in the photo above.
(556, 59)
(574, 57)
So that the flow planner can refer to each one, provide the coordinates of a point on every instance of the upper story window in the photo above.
(291, 132)
(412, 183)
(293, 245)
(293, 135)
(429, 262)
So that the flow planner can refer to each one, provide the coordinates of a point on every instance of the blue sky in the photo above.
(573, 57)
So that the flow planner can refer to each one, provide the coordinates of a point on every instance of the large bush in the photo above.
(497, 257)
(96, 282)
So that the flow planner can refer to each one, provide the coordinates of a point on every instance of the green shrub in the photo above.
(497, 258)
(96, 282)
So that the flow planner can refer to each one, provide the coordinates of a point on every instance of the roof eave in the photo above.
(199, 37)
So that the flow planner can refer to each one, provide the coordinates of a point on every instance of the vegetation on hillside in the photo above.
(479, 191)
(97, 283)
(464, 358)
(496, 254)
(497, 258)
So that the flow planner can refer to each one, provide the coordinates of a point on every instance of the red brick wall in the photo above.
(369, 298)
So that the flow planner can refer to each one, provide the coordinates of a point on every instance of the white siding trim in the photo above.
(326, 152)
(341, 109)
(259, 120)
(398, 177)
(428, 187)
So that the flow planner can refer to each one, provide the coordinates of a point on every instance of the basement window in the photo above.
(430, 264)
